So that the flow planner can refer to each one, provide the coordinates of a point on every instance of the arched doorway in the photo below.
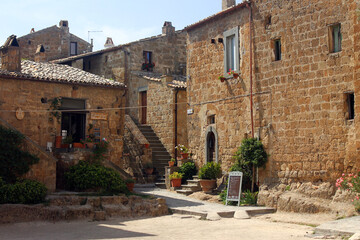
(211, 145)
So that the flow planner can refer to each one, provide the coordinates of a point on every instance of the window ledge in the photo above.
(334, 54)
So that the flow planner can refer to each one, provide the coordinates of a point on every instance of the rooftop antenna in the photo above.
(91, 32)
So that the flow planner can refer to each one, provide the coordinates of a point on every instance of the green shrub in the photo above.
(188, 170)
(25, 192)
(14, 162)
(210, 170)
(85, 176)
(247, 198)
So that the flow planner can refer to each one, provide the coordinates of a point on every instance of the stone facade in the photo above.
(301, 111)
(209, 97)
(56, 41)
(123, 63)
(27, 94)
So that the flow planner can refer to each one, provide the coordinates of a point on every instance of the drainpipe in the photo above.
(251, 86)
(176, 115)
(251, 71)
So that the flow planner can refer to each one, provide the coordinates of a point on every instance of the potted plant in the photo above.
(149, 168)
(184, 151)
(208, 175)
(171, 162)
(233, 73)
(175, 179)
(148, 66)
(67, 141)
(130, 184)
(222, 78)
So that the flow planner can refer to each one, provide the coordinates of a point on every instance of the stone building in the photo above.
(301, 63)
(27, 92)
(154, 71)
(58, 42)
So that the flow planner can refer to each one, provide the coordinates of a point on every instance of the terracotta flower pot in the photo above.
(207, 185)
(78, 145)
(176, 182)
(235, 75)
(222, 79)
(185, 155)
(130, 186)
(171, 163)
(90, 145)
(58, 140)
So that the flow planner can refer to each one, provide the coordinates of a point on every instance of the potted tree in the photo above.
(208, 175)
(175, 179)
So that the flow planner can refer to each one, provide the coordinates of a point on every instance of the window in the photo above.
(147, 57)
(73, 48)
(335, 38)
(268, 22)
(350, 102)
(231, 52)
(277, 49)
(211, 119)
(72, 122)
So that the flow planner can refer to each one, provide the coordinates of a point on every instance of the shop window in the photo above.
(231, 52)
(73, 48)
(350, 106)
(335, 38)
(73, 122)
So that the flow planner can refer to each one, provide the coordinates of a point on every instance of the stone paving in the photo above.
(182, 204)
(342, 226)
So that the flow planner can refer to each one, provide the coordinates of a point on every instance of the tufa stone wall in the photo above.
(300, 102)
(304, 118)
(56, 41)
(204, 65)
(26, 94)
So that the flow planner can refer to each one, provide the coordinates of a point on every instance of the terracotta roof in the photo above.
(51, 72)
(178, 82)
(219, 14)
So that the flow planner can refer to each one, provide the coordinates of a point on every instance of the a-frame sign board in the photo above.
(234, 187)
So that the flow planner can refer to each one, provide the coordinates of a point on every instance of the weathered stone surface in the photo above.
(213, 216)
(241, 215)
(73, 208)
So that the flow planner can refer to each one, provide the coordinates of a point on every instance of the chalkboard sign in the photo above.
(234, 187)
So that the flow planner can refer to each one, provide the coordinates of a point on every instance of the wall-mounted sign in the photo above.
(190, 111)
(234, 187)
(99, 116)
(19, 114)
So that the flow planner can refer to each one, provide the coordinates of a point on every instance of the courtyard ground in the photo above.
(165, 227)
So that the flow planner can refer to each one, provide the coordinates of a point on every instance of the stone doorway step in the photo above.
(190, 187)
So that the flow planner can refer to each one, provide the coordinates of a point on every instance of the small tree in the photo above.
(14, 161)
(250, 154)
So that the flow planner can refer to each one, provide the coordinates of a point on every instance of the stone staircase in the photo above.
(190, 187)
(160, 156)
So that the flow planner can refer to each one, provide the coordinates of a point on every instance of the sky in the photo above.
(123, 20)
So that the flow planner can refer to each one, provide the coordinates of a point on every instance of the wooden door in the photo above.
(143, 96)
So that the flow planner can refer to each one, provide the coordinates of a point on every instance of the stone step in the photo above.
(193, 188)
(184, 192)
(156, 145)
(160, 185)
(196, 177)
(193, 182)
(158, 149)
(160, 153)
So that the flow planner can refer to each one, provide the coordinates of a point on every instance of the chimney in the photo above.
(168, 28)
(10, 55)
(109, 43)
(64, 24)
(227, 3)
(40, 54)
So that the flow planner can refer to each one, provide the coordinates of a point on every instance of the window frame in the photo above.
(333, 47)
(76, 48)
(277, 49)
(234, 32)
